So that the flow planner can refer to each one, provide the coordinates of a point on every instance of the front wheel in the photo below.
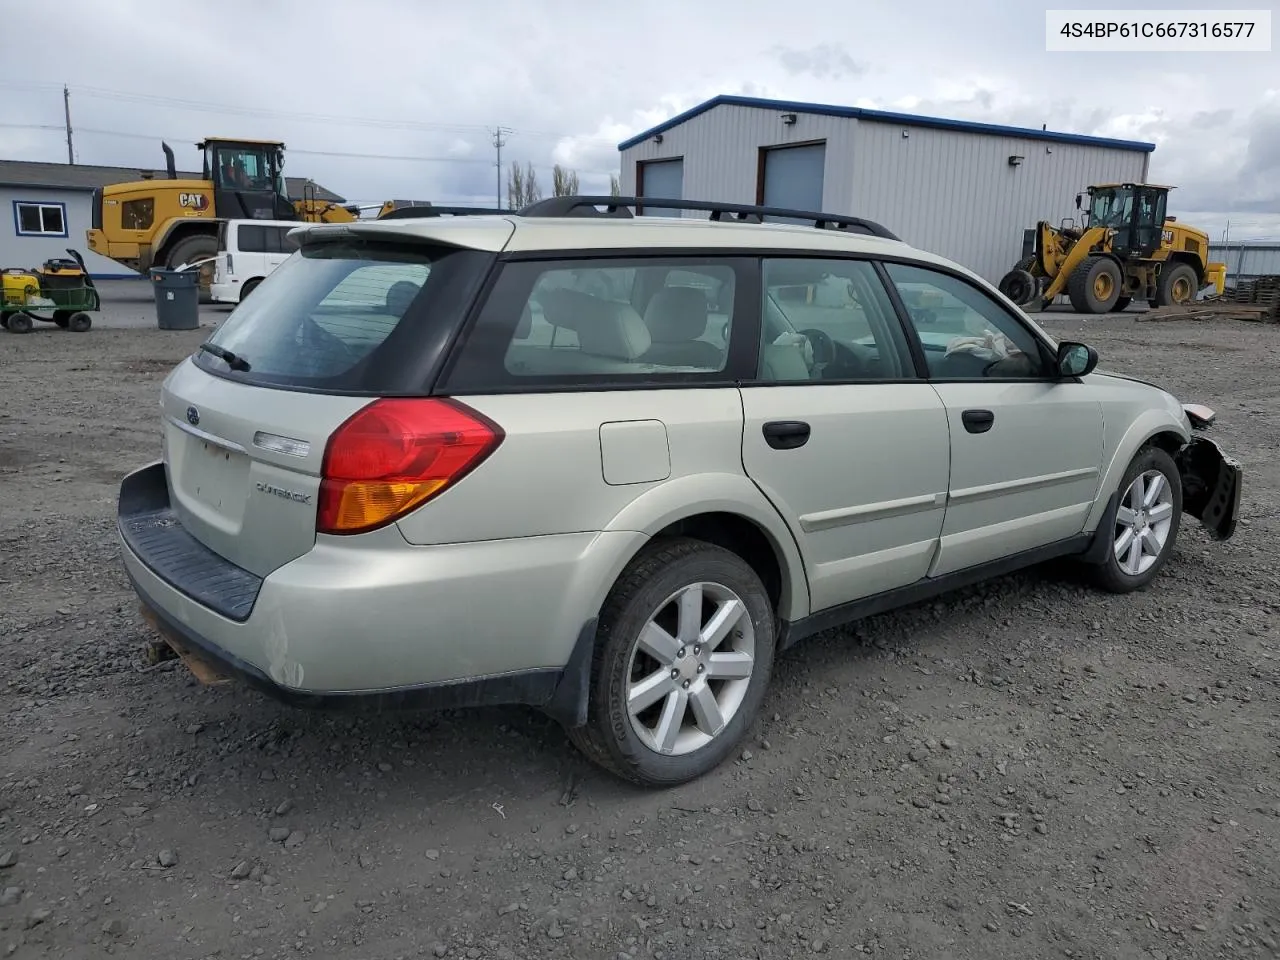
(1146, 526)
(683, 658)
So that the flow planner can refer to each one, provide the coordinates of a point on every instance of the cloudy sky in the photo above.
(398, 98)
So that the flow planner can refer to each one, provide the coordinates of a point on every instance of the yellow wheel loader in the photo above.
(171, 222)
(1126, 250)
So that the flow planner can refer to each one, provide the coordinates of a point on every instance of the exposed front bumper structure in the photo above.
(1211, 484)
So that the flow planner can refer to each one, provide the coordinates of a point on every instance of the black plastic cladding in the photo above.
(737, 212)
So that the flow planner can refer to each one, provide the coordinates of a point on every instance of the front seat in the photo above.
(676, 318)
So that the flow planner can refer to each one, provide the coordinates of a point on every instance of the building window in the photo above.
(40, 219)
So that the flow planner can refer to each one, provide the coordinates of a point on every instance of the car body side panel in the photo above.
(1132, 412)
(720, 492)
(1029, 480)
(548, 476)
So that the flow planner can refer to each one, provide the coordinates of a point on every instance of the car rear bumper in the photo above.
(225, 292)
(373, 620)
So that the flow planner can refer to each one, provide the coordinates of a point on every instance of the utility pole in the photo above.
(498, 144)
(66, 112)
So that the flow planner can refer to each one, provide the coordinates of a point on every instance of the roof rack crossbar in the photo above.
(415, 211)
(588, 206)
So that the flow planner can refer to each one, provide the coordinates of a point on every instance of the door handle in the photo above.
(786, 434)
(977, 421)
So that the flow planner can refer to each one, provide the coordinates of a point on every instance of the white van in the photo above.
(248, 250)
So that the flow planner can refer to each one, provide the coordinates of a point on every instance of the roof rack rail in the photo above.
(415, 211)
(737, 212)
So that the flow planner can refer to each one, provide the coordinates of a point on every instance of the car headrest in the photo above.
(676, 315)
(525, 326)
(399, 295)
(604, 328)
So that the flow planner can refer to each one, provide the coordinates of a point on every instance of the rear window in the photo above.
(349, 316)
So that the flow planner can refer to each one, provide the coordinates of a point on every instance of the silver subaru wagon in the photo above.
(609, 465)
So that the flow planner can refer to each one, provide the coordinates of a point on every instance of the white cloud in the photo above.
(572, 82)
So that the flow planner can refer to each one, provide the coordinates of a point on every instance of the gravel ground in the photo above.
(1025, 769)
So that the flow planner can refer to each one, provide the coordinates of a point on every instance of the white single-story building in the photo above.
(969, 191)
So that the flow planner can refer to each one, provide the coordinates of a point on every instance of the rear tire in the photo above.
(1094, 285)
(20, 323)
(79, 323)
(1150, 512)
(248, 288)
(1122, 304)
(654, 644)
(1176, 285)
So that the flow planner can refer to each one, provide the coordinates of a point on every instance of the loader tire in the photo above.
(1019, 286)
(1094, 286)
(1175, 285)
(195, 248)
(1122, 304)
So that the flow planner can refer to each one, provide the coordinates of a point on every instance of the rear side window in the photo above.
(350, 317)
(604, 321)
(259, 238)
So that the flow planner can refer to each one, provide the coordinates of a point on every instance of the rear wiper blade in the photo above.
(222, 353)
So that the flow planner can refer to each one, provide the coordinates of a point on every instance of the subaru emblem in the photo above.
(193, 416)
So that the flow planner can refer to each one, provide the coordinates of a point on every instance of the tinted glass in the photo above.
(602, 321)
(838, 318)
(323, 317)
(965, 333)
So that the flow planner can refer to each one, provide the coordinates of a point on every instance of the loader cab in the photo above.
(248, 179)
(1135, 211)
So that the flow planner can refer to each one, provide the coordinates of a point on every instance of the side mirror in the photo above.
(1078, 198)
(1076, 359)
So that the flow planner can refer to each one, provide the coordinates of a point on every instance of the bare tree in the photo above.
(522, 187)
(615, 188)
(564, 182)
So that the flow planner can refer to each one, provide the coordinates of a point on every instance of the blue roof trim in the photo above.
(910, 119)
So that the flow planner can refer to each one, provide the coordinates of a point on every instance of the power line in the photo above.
(101, 93)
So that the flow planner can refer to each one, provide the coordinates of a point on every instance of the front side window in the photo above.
(601, 321)
(827, 320)
(965, 333)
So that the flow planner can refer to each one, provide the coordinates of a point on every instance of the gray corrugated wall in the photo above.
(954, 192)
(949, 191)
(1247, 260)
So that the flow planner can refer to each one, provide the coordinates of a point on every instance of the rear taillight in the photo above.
(231, 263)
(395, 455)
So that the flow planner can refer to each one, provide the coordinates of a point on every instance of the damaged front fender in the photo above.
(1211, 484)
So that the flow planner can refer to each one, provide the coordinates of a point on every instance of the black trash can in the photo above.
(177, 298)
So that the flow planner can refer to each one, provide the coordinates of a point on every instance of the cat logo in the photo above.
(193, 201)
(1166, 236)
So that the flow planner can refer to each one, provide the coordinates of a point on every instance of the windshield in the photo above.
(249, 167)
(325, 318)
(1111, 208)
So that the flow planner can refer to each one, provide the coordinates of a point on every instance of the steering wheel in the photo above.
(824, 348)
(829, 355)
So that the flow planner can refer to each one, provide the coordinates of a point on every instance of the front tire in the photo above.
(683, 657)
(1094, 285)
(1147, 521)
(1176, 285)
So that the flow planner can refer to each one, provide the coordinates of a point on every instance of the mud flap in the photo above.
(1211, 483)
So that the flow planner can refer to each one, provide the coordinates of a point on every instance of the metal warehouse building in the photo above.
(47, 207)
(969, 191)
